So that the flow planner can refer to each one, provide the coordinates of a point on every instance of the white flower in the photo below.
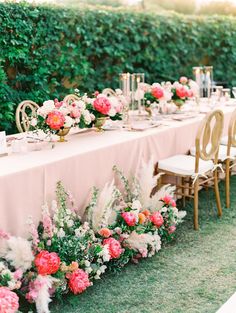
(164, 209)
(70, 223)
(61, 233)
(19, 253)
(11, 285)
(181, 214)
(88, 270)
(49, 105)
(136, 205)
(103, 268)
(80, 104)
(112, 112)
(68, 121)
(87, 117)
(105, 254)
(64, 110)
(87, 263)
(33, 122)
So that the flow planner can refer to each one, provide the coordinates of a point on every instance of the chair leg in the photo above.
(183, 191)
(217, 193)
(227, 183)
(196, 189)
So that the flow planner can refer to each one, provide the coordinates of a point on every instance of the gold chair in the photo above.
(71, 98)
(24, 110)
(196, 171)
(230, 157)
(109, 92)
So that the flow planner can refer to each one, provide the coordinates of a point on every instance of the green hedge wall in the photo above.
(46, 52)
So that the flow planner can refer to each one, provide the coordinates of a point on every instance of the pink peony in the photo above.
(129, 218)
(181, 92)
(55, 120)
(172, 229)
(47, 263)
(183, 80)
(168, 200)
(9, 301)
(114, 247)
(102, 105)
(157, 219)
(157, 92)
(75, 113)
(78, 281)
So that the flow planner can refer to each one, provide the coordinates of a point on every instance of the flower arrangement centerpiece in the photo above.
(57, 117)
(155, 95)
(103, 107)
(183, 90)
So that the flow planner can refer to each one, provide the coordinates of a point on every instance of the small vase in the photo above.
(62, 133)
(178, 103)
(149, 111)
(100, 121)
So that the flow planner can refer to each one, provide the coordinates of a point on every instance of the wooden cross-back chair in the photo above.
(71, 98)
(24, 111)
(196, 171)
(230, 160)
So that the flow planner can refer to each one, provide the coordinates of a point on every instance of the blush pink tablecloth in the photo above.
(86, 160)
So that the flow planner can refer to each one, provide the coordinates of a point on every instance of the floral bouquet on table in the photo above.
(57, 117)
(183, 90)
(156, 94)
(103, 107)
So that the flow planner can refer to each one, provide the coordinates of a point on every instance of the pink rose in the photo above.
(157, 92)
(78, 281)
(102, 105)
(181, 92)
(172, 229)
(183, 80)
(129, 218)
(114, 247)
(9, 301)
(18, 274)
(189, 93)
(157, 219)
(75, 113)
(47, 263)
(55, 120)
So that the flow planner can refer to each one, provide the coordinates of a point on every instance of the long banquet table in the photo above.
(86, 160)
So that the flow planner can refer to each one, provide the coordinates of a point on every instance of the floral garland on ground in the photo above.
(65, 254)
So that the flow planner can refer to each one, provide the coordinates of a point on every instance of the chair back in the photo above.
(209, 136)
(24, 111)
(71, 98)
(109, 92)
(232, 131)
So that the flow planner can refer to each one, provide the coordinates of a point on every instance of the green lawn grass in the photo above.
(194, 274)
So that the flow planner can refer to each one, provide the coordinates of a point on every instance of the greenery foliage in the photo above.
(46, 52)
